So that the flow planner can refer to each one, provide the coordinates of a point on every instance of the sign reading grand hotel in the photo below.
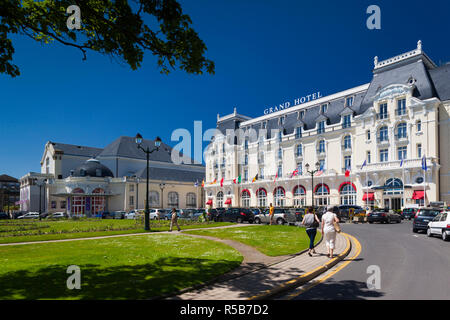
(298, 101)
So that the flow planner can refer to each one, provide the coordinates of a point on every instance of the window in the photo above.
(264, 125)
(383, 111)
(62, 204)
(298, 132)
(347, 142)
(348, 195)
(302, 114)
(191, 200)
(172, 198)
(47, 165)
(419, 150)
(349, 101)
(401, 107)
(368, 135)
(322, 164)
(223, 147)
(246, 160)
(347, 162)
(299, 196)
(368, 157)
(384, 155)
(154, 198)
(280, 171)
(401, 130)
(323, 108)
(419, 126)
(245, 175)
(383, 134)
(322, 146)
(299, 150)
(261, 173)
(131, 200)
(321, 127)
(282, 120)
(280, 153)
(53, 204)
(279, 197)
(347, 121)
(245, 198)
(321, 195)
(131, 187)
(401, 151)
(246, 144)
(300, 168)
(219, 199)
(261, 196)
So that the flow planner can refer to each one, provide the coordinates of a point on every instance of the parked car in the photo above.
(409, 213)
(383, 216)
(107, 215)
(212, 214)
(159, 214)
(238, 215)
(4, 215)
(133, 214)
(56, 215)
(168, 214)
(30, 215)
(198, 214)
(424, 216)
(299, 213)
(119, 214)
(280, 216)
(440, 226)
(344, 211)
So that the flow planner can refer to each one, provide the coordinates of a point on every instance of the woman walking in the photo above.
(174, 220)
(311, 222)
(330, 225)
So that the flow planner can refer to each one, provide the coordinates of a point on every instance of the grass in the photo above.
(13, 231)
(275, 240)
(135, 267)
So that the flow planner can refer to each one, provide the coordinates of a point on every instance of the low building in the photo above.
(9, 192)
(85, 181)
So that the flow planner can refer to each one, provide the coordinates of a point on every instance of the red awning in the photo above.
(228, 201)
(369, 196)
(209, 203)
(417, 195)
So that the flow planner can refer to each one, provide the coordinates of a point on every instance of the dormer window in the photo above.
(298, 132)
(324, 108)
(302, 114)
(349, 102)
(282, 120)
(264, 125)
(321, 127)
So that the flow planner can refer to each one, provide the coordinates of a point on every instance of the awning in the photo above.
(369, 196)
(228, 201)
(209, 202)
(417, 195)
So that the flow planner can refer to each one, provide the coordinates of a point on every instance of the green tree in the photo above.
(116, 28)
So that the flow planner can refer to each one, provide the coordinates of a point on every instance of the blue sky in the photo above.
(266, 52)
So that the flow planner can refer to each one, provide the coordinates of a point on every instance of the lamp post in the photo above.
(147, 151)
(162, 186)
(312, 178)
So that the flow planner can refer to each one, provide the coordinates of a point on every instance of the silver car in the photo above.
(280, 216)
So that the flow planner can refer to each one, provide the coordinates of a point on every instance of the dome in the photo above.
(92, 168)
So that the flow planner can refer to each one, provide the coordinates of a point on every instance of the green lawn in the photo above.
(272, 240)
(135, 267)
(12, 231)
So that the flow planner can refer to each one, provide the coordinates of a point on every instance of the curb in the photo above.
(301, 280)
(217, 278)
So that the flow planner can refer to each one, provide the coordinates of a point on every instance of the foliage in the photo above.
(110, 27)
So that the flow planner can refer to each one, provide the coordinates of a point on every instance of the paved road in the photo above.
(412, 266)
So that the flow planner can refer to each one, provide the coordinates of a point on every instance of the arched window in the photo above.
(172, 199)
(98, 203)
(322, 195)
(279, 196)
(261, 196)
(299, 196)
(393, 186)
(347, 193)
(191, 200)
(154, 198)
(219, 199)
(245, 198)
(78, 203)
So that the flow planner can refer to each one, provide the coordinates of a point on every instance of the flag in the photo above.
(203, 183)
(239, 179)
(294, 173)
(255, 178)
(347, 173)
(234, 180)
(276, 176)
(401, 163)
(221, 183)
(424, 163)
(365, 163)
(215, 180)
(196, 184)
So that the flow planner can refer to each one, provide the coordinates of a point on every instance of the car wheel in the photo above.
(429, 232)
(258, 221)
(370, 222)
(250, 221)
(414, 230)
(399, 220)
(444, 236)
(280, 221)
(239, 220)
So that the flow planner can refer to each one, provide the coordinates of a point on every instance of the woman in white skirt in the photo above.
(328, 228)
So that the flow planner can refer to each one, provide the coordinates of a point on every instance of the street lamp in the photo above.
(162, 186)
(312, 178)
(147, 151)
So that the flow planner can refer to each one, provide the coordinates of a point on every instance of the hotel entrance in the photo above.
(393, 193)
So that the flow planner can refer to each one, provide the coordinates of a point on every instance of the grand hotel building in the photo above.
(392, 125)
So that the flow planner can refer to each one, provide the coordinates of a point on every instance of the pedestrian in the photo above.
(330, 225)
(174, 220)
(311, 222)
(271, 213)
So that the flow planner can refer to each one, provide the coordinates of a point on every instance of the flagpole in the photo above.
(403, 181)
(424, 167)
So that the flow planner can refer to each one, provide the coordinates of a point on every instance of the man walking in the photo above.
(174, 220)
(271, 212)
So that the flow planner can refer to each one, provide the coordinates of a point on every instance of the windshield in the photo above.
(429, 213)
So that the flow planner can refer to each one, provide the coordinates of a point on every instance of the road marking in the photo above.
(332, 272)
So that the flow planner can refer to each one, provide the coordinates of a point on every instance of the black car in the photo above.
(409, 213)
(4, 215)
(107, 215)
(383, 216)
(238, 215)
(423, 217)
(211, 215)
(299, 214)
(344, 211)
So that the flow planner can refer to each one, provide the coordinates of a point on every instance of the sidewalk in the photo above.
(263, 282)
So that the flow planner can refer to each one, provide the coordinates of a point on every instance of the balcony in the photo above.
(382, 116)
(345, 169)
(346, 125)
(346, 147)
(401, 112)
(382, 140)
(401, 137)
(320, 152)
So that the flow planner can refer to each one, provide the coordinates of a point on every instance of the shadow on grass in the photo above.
(119, 282)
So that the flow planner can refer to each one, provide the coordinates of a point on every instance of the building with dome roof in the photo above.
(85, 181)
